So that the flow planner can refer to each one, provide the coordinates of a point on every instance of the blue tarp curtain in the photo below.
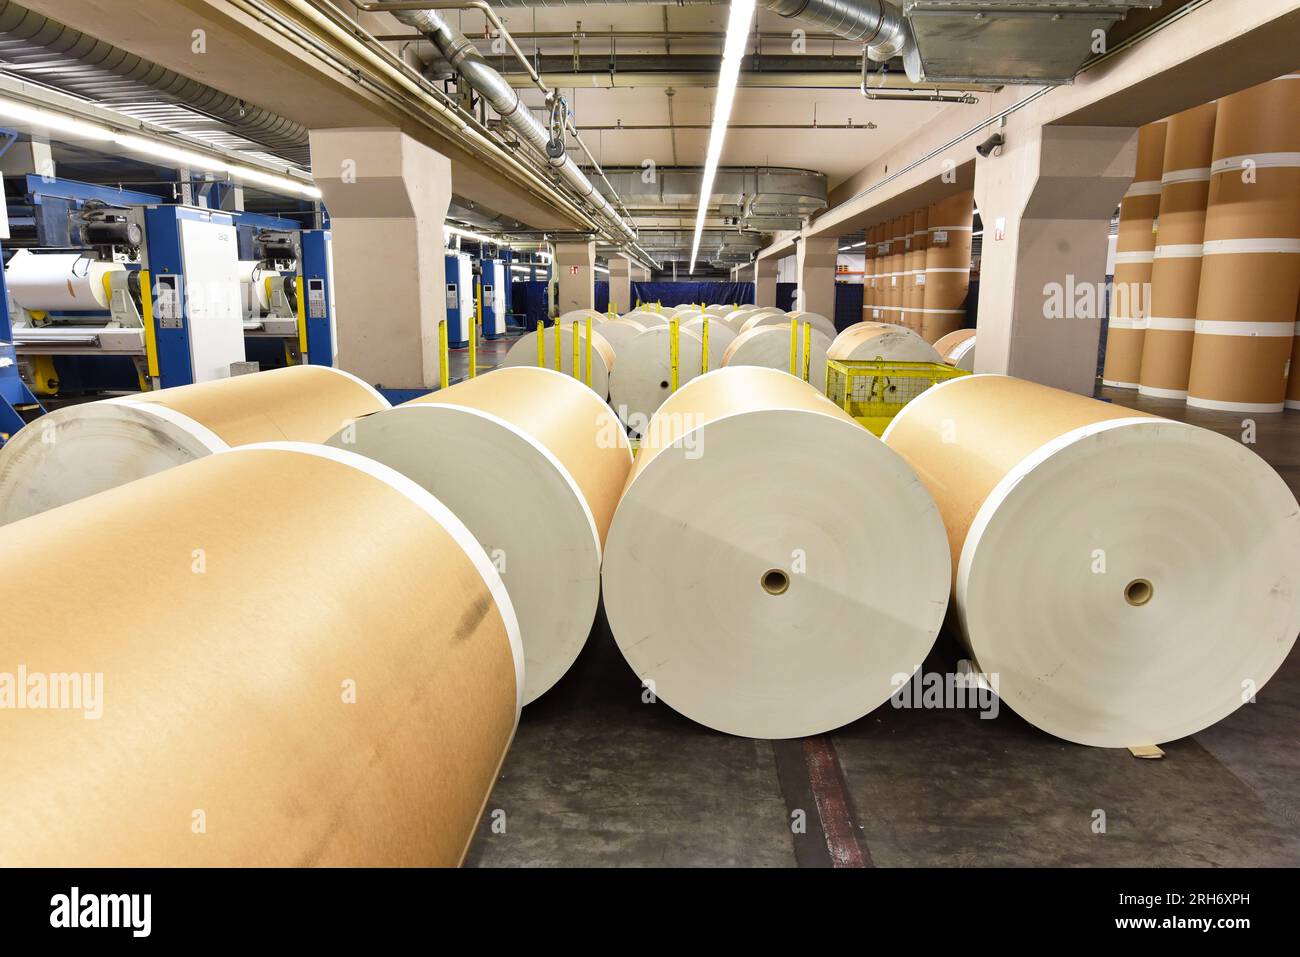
(676, 293)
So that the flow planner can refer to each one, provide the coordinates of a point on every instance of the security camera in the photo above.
(994, 142)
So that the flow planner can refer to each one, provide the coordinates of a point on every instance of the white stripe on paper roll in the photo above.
(1135, 257)
(1201, 175)
(1251, 247)
(1209, 327)
(1256, 161)
(1180, 251)
(774, 599)
(1149, 188)
(1197, 595)
(1172, 325)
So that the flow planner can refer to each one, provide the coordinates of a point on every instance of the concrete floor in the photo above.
(597, 777)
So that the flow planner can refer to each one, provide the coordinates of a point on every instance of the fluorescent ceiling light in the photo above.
(738, 22)
(466, 234)
(11, 109)
(153, 149)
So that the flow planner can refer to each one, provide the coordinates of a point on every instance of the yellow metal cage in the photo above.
(873, 391)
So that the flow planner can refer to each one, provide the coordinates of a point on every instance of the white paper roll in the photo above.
(642, 378)
(581, 316)
(532, 438)
(79, 450)
(819, 322)
(647, 317)
(721, 336)
(58, 282)
(524, 353)
(749, 580)
(1130, 580)
(619, 332)
(769, 347)
(688, 315)
(718, 310)
(252, 283)
(892, 344)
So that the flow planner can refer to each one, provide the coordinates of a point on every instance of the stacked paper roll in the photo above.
(819, 322)
(305, 659)
(1293, 383)
(646, 317)
(1250, 274)
(548, 445)
(718, 310)
(774, 600)
(1176, 271)
(736, 318)
(58, 282)
(524, 353)
(914, 291)
(769, 347)
(868, 341)
(619, 332)
(643, 378)
(947, 265)
(1111, 612)
(79, 450)
(581, 316)
(721, 335)
(900, 239)
(1134, 256)
(958, 349)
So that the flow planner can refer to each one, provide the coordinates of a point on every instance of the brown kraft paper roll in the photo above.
(326, 672)
(947, 265)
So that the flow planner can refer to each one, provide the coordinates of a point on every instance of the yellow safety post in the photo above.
(673, 353)
(559, 345)
(611, 310)
(473, 332)
(302, 319)
(444, 372)
(150, 333)
(794, 346)
(541, 344)
(659, 307)
(807, 351)
(704, 352)
(588, 348)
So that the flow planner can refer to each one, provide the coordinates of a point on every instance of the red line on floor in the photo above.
(832, 803)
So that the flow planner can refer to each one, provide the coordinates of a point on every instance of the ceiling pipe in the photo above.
(457, 50)
(879, 25)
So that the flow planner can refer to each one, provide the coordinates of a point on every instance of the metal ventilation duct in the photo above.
(36, 48)
(720, 247)
(1041, 42)
(759, 198)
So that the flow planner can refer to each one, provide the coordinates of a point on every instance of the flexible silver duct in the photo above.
(20, 24)
(493, 87)
(877, 24)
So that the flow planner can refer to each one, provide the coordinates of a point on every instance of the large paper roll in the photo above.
(955, 345)
(1250, 273)
(58, 282)
(643, 378)
(736, 318)
(867, 341)
(718, 310)
(619, 332)
(546, 444)
(947, 265)
(305, 659)
(749, 581)
(819, 322)
(1293, 383)
(646, 317)
(721, 336)
(769, 347)
(1129, 580)
(1134, 257)
(83, 449)
(1176, 271)
(914, 269)
(603, 357)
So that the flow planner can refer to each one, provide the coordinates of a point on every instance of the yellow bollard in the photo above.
(541, 344)
(807, 351)
(559, 345)
(444, 372)
(473, 331)
(673, 354)
(794, 346)
(588, 348)
(704, 353)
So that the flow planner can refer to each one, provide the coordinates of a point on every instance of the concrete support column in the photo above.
(1046, 204)
(815, 267)
(30, 156)
(765, 282)
(387, 197)
(620, 284)
(575, 265)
